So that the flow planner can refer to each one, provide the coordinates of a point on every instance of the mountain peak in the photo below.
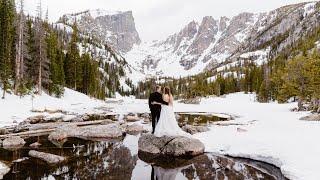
(116, 28)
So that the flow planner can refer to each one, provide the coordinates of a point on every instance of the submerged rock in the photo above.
(47, 157)
(4, 169)
(170, 146)
(195, 129)
(13, 142)
(35, 145)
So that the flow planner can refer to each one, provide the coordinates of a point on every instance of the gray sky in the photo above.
(156, 19)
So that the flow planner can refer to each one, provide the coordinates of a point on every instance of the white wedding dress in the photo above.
(167, 124)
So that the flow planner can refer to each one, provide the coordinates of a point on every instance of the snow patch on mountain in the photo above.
(309, 8)
(259, 56)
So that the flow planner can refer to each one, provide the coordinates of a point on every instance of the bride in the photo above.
(167, 124)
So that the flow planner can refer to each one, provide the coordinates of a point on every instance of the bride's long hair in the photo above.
(167, 90)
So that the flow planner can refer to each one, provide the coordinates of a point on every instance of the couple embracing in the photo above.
(164, 122)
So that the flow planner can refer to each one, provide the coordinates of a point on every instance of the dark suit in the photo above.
(155, 108)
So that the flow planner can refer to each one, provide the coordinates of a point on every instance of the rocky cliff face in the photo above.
(213, 43)
(115, 28)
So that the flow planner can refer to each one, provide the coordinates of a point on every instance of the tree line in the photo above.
(37, 56)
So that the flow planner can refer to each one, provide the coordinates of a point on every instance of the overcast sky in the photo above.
(156, 19)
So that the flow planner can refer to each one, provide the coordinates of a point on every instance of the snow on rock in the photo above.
(318, 44)
(4, 169)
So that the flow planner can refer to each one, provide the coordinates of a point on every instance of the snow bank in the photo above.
(13, 108)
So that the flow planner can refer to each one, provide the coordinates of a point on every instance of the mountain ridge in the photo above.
(204, 45)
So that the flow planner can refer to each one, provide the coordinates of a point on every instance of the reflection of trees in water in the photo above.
(98, 160)
(214, 167)
(102, 161)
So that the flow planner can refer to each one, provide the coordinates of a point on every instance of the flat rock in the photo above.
(312, 117)
(170, 146)
(4, 169)
(36, 119)
(100, 131)
(134, 129)
(195, 129)
(47, 157)
(87, 132)
(13, 142)
(132, 118)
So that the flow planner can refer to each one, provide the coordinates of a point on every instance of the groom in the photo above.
(155, 108)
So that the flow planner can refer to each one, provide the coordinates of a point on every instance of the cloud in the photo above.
(156, 19)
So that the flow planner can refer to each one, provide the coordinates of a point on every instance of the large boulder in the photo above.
(170, 146)
(13, 142)
(47, 157)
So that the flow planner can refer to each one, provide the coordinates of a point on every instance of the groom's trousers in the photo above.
(155, 115)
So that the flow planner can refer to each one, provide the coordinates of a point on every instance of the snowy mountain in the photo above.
(115, 28)
(214, 43)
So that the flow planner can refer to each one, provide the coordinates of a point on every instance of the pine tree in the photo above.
(42, 62)
(21, 52)
(72, 65)
(7, 33)
(55, 55)
(30, 60)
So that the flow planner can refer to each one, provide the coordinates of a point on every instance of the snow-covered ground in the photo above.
(268, 132)
(14, 108)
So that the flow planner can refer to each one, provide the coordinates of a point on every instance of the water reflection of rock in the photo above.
(216, 167)
(205, 167)
(87, 160)
(104, 161)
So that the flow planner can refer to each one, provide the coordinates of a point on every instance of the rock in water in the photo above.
(312, 117)
(47, 157)
(195, 129)
(3, 131)
(4, 169)
(60, 135)
(101, 131)
(134, 129)
(35, 145)
(13, 142)
(170, 146)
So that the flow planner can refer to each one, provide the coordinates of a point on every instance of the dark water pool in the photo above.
(197, 118)
(119, 160)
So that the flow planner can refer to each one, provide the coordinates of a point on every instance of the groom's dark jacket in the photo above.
(156, 97)
(155, 108)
